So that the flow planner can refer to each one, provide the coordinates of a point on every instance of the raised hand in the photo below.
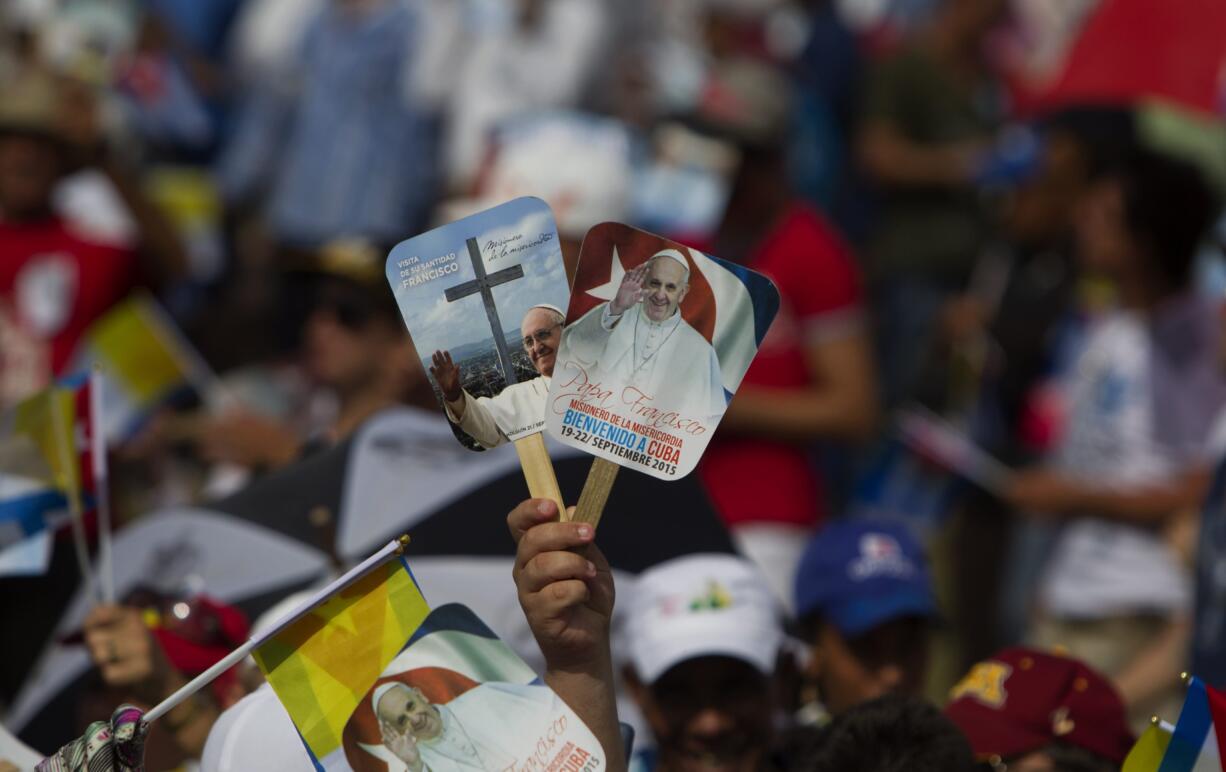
(564, 584)
(446, 374)
(402, 745)
(630, 292)
(566, 591)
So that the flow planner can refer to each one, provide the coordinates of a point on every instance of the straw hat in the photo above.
(31, 106)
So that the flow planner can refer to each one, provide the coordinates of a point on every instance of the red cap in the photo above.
(1024, 699)
(198, 633)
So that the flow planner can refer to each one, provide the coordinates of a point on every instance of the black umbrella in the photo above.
(404, 471)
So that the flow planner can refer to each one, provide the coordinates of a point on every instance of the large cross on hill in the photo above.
(484, 285)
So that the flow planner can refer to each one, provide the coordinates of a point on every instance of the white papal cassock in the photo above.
(669, 361)
(517, 410)
(490, 727)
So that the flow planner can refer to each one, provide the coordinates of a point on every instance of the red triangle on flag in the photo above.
(1217, 709)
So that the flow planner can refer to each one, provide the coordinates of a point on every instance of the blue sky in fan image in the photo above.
(421, 269)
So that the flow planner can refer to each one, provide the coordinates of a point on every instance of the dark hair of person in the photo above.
(1168, 207)
(894, 733)
(1106, 135)
(808, 626)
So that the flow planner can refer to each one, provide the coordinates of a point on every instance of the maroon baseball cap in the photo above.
(1024, 699)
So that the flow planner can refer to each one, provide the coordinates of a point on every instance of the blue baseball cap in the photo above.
(858, 574)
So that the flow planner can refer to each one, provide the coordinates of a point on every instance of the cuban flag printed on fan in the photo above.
(735, 332)
(658, 337)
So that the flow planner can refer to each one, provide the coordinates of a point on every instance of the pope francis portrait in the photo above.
(638, 342)
(519, 408)
(478, 730)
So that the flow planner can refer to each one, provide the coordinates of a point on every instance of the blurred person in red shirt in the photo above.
(54, 280)
(813, 377)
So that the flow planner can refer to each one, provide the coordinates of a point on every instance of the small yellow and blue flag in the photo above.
(322, 664)
(144, 358)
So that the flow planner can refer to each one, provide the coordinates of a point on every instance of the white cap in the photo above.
(255, 733)
(381, 690)
(672, 254)
(698, 606)
(549, 307)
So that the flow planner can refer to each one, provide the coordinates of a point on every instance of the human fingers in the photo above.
(560, 597)
(552, 537)
(593, 553)
(528, 514)
(550, 567)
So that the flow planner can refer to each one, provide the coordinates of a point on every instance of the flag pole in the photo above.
(73, 493)
(1165, 726)
(393, 549)
(102, 485)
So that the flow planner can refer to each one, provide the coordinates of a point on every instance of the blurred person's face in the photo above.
(530, 13)
(1103, 241)
(722, 32)
(975, 17)
(709, 713)
(542, 333)
(406, 709)
(666, 287)
(1043, 208)
(892, 657)
(29, 169)
(347, 345)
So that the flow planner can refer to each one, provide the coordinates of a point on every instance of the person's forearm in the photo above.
(800, 416)
(893, 160)
(1149, 505)
(1155, 669)
(589, 692)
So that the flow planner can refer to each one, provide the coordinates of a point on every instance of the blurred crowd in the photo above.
(949, 234)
